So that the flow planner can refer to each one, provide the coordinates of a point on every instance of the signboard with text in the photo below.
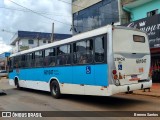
(152, 26)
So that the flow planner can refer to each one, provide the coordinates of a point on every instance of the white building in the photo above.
(24, 40)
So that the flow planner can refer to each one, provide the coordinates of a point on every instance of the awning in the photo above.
(135, 3)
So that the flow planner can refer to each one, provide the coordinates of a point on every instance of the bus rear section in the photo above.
(131, 55)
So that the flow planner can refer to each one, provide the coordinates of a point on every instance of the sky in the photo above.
(14, 18)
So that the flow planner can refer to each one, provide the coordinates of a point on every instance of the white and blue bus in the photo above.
(101, 62)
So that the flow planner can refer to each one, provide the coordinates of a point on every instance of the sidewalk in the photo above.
(154, 91)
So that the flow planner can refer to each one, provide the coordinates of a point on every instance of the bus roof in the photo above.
(80, 36)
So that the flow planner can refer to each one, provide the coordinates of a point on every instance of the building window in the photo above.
(49, 41)
(30, 42)
(152, 13)
(44, 41)
(95, 16)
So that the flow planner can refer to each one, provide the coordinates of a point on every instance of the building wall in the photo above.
(97, 15)
(22, 44)
(82, 4)
(141, 11)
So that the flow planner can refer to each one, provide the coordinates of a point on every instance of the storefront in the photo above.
(152, 26)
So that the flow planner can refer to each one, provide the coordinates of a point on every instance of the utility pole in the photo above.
(38, 39)
(52, 36)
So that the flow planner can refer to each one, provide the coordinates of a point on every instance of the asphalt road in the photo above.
(32, 100)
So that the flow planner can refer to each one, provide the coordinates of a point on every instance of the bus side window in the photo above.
(83, 52)
(33, 59)
(39, 58)
(10, 64)
(23, 61)
(89, 51)
(49, 59)
(99, 49)
(28, 60)
(16, 63)
(63, 55)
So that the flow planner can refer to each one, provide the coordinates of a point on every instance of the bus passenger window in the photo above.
(49, 59)
(99, 49)
(38, 59)
(82, 60)
(32, 59)
(10, 64)
(17, 63)
(64, 57)
(83, 52)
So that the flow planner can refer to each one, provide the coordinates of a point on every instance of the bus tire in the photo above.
(17, 84)
(55, 89)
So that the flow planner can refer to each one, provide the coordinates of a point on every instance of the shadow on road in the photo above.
(110, 102)
(105, 101)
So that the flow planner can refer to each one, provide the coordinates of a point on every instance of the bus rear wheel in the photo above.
(55, 89)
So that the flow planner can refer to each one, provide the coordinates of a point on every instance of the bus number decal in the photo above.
(138, 61)
(119, 59)
(50, 72)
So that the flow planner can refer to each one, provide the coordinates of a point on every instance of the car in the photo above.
(3, 73)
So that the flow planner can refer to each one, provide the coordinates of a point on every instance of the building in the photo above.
(139, 9)
(24, 40)
(91, 14)
(145, 15)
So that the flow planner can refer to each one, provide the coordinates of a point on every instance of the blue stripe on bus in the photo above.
(87, 74)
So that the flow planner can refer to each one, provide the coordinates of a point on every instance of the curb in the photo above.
(146, 94)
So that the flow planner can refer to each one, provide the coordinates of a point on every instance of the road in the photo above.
(32, 100)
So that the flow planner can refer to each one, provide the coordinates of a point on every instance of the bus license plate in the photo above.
(134, 78)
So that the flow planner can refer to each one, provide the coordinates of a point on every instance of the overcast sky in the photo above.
(14, 18)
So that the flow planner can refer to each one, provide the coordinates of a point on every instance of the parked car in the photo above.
(3, 73)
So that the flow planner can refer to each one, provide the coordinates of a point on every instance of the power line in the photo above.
(39, 13)
(3, 30)
(43, 15)
(22, 10)
(49, 17)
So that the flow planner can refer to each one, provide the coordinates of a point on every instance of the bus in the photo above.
(101, 62)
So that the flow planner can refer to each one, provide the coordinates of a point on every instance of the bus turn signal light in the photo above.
(115, 77)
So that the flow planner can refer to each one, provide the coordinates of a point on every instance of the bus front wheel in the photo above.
(55, 89)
